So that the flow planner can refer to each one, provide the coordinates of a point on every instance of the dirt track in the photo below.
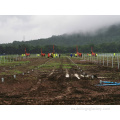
(67, 82)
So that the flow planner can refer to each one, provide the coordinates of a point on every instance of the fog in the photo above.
(30, 27)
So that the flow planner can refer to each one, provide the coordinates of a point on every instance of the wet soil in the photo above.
(50, 86)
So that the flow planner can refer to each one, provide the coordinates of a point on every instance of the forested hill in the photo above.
(103, 40)
(104, 35)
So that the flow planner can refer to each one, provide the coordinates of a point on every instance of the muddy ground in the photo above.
(58, 81)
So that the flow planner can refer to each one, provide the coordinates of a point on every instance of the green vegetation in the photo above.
(85, 65)
(13, 63)
(67, 67)
(11, 72)
(49, 66)
(103, 40)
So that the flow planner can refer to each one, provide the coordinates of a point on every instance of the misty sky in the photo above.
(30, 27)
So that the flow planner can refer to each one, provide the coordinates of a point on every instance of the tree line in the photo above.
(105, 40)
(20, 49)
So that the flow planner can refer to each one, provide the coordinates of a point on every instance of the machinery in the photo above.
(51, 54)
(77, 53)
(27, 54)
(42, 54)
(92, 53)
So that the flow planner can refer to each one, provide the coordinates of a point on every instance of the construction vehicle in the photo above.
(92, 53)
(42, 54)
(77, 53)
(51, 54)
(27, 54)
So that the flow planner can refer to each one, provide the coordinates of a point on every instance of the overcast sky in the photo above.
(30, 27)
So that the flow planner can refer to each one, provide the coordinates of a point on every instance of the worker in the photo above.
(114, 55)
(76, 55)
(59, 55)
(56, 55)
(48, 55)
(71, 54)
(52, 55)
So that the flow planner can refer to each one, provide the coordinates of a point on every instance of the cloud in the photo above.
(15, 27)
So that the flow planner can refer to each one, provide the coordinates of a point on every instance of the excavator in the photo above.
(27, 54)
(42, 54)
(77, 53)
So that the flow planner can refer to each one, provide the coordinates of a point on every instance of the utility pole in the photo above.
(23, 37)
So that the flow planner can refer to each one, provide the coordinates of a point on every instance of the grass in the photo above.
(85, 65)
(11, 72)
(51, 65)
(47, 66)
(68, 67)
(57, 65)
(14, 63)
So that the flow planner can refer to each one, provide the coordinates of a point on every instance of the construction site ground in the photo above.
(57, 81)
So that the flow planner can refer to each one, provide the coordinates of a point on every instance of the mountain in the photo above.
(103, 35)
(106, 39)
